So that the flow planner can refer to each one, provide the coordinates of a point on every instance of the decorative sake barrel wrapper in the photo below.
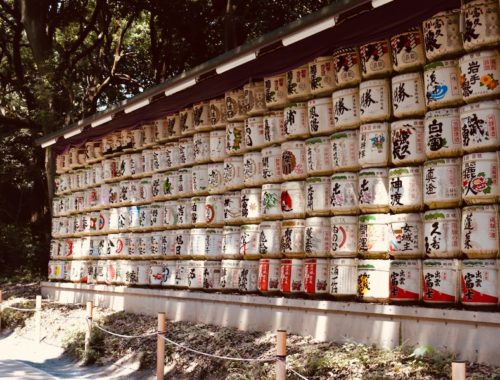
(149, 136)
(442, 183)
(170, 214)
(442, 233)
(374, 145)
(345, 150)
(123, 164)
(480, 178)
(186, 121)
(275, 91)
(321, 119)
(201, 147)
(296, 121)
(405, 189)
(347, 67)
(194, 274)
(373, 190)
(479, 283)
(218, 145)
(442, 35)
(235, 105)
(235, 143)
(181, 274)
(479, 234)
(269, 276)
(216, 178)
(199, 175)
(344, 236)
(248, 275)
(293, 160)
(250, 205)
(274, 127)
(407, 50)
(479, 75)
(254, 133)
(169, 268)
(375, 100)
(481, 21)
(319, 156)
(186, 152)
(291, 276)
(229, 275)
(252, 169)
(214, 211)
(218, 114)
(255, 98)
(316, 277)
(322, 75)
(406, 236)
(249, 241)
(271, 201)
(292, 238)
(198, 211)
(232, 207)
(440, 281)
(344, 193)
(375, 59)
(213, 244)
(272, 170)
(317, 237)
(443, 135)
(156, 269)
(172, 151)
(405, 280)
(373, 280)
(442, 84)
(407, 142)
(270, 239)
(231, 242)
(185, 182)
(211, 275)
(373, 236)
(479, 126)
(298, 83)
(233, 173)
(173, 126)
(408, 95)
(293, 203)
(201, 118)
(183, 212)
(346, 111)
(343, 278)
(318, 196)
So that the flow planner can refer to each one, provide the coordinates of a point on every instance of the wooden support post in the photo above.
(281, 355)
(88, 331)
(1, 300)
(38, 318)
(160, 347)
(458, 370)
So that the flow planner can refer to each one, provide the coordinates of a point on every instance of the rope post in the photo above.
(458, 370)
(1, 300)
(88, 331)
(281, 355)
(38, 318)
(160, 347)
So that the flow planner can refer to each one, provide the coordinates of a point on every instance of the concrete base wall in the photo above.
(472, 335)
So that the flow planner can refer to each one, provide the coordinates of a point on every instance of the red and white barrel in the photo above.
(347, 67)
(169, 268)
(270, 239)
(408, 50)
(375, 100)
(480, 178)
(186, 122)
(405, 278)
(375, 59)
(249, 241)
(270, 201)
(298, 83)
(481, 24)
(250, 204)
(479, 75)
(201, 147)
(343, 278)
(315, 276)
(229, 275)
(479, 283)
(235, 105)
(255, 98)
(274, 127)
(232, 207)
(291, 276)
(405, 189)
(479, 123)
(442, 84)
(373, 241)
(214, 210)
(79, 271)
(317, 237)
(442, 185)
(217, 145)
(252, 169)
(292, 238)
(374, 145)
(322, 75)
(346, 111)
(442, 35)
(218, 115)
(344, 236)
(373, 280)
(442, 233)
(408, 99)
(235, 142)
(406, 236)
(321, 119)
(479, 235)
(216, 178)
(293, 160)
(271, 164)
(293, 203)
(201, 116)
(318, 156)
(345, 151)
(440, 281)
(254, 133)
(373, 190)
(156, 271)
(269, 275)
(199, 175)
(231, 242)
(344, 193)
(248, 275)
(407, 142)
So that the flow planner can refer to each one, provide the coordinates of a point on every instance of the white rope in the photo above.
(124, 336)
(296, 373)
(2, 307)
(215, 356)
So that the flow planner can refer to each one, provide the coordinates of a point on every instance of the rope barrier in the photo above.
(124, 336)
(296, 373)
(2, 307)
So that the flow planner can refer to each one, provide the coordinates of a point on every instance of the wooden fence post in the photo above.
(38, 318)
(88, 331)
(281, 355)
(458, 370)
(160, 347)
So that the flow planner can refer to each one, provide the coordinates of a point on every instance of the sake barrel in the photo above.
(322, 75)
(197, 240)
(293, 160)
(107, 149)
(168, 279)
(442, 35)
(480, 178)
(183, 212)
(181, 274)
(169, 214)
(156, 271)
(298, 83)
(375, 59)
(442, 84)
(481, 24)
(442, 233)
(172, 151)
(375, 100)
(373, 190)
(216, 178)
(407, 142)
(255, 98)
(211, 275)
(181, 247)
(344, 193)
(440, 281)
(169, 186)
(199, 175)
(103, 222)
(110, 166)
(156, 186)
(374, 145)
(149, 134)
(318, 156)
(408, 95)
(184, 182)
(248, 274)
(479, 283)
(405, 189)
(173, 126)
(293, 203)
(231, 242)
(137, 138)
(317, 237)
(217, 145)
(406, 236)
(214, 211)
(296, 121)
(250, 204)
(201, 118)
(292, 238)
(100, 277)
(373, 241)
(235, 143)
(269, 276)
(135, 244)
(254, 133)
(479, 235)
(315, 277)
(344, 236)
(345, 151)
(235, 105)
(55, 270)
(147, 159)
(347, 67)
(159, 159)
(442, 183)
(407, 50)
(321, 119)
(218, 114)
(318, 196)
(232, 207)
(201, 147)
(252, 169)
(197, 211)
(270, 239)
(186, 122)
(274, 127)
(213, 244)
(161, 130)
(145, 245)
(271, 164)
(136, 165)
(373, 280)
(186, 151)
(79, 271)
(443, 134)
(343, 278)
(125, 189)
(479, 126)
(405, 280)
(229, 275)
(291, 276)
(249, 241)
(346, 113)
(167, 248)
(233, 173)
(270, 201)
(479, 75)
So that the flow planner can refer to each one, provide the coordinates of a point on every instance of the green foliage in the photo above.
(13, 319)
